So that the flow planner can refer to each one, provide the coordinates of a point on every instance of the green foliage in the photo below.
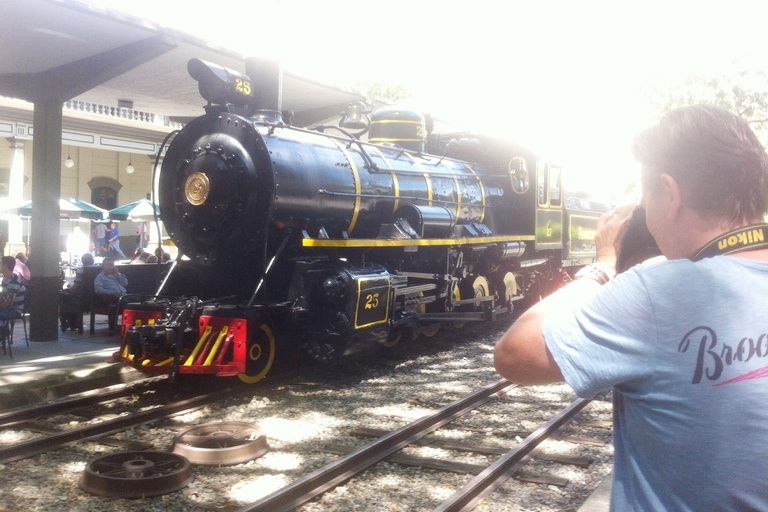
(383, 91)
(742, 92)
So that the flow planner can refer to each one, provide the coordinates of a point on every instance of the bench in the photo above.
(143, 279)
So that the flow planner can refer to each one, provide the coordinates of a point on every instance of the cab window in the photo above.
(555, 185)
(542, 180)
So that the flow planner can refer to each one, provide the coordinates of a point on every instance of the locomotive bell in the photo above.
(400, 127)
(355, 117)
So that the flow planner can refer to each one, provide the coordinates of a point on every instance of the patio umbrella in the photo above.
(90, 211)
(142, 210)
(67, 210)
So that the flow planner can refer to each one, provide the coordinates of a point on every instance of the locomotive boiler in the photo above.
(316, 242)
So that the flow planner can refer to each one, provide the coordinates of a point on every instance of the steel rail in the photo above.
(497, 473)
(10, 418)
(41, 445)
(327, 477)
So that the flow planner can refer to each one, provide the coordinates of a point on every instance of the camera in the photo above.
(637, 244)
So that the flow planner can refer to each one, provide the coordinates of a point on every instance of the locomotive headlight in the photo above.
(219, 85)
(332, 288)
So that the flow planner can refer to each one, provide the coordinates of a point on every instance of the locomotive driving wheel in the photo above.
(479, 289)
(260, 356)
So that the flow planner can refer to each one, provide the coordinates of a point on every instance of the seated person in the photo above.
(12, 296)
(21, 269)
(77, 284)
(71, 301)
(110, 283)
(109, 287)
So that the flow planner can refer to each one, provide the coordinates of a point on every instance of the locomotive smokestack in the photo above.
(267, 78)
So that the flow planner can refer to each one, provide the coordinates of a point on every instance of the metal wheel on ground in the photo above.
(136, 474)
(221, 443)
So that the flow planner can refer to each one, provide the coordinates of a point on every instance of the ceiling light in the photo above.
(69, 163)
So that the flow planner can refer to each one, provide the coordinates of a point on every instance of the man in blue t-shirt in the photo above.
(113, 239)
(682, 341)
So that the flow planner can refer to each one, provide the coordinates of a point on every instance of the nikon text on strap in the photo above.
(738, 240)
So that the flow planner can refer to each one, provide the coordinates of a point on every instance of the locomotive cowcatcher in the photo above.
(314, 242)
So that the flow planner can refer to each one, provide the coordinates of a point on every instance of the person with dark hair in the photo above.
(11, 298)
(681, 341)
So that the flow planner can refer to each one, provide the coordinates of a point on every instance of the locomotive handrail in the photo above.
(266, 272)
(403, 242)
(409, 198)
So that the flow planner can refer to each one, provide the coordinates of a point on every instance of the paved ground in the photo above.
(48, 370)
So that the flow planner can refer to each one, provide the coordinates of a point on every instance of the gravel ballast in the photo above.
(324, 406)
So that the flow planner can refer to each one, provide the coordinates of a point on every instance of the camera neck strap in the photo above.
(738, 240)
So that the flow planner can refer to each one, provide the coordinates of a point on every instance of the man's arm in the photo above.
(521, 355)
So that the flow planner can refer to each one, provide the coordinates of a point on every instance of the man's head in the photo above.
(7, 265)
(714, 158)
(108, 265)
(87, 259)
(21, 257)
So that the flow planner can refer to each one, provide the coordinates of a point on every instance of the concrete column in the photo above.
(46, 187)
(15, 196)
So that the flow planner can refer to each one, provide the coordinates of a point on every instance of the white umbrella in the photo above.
(142, 210)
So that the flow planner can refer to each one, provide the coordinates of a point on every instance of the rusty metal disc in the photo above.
(221, 443)
(136, 474)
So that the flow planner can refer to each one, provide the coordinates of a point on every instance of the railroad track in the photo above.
(319, 481)
(94, 397)
(311, 419)
(52, 441)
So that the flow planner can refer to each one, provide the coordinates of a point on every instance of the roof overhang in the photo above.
(57, 50)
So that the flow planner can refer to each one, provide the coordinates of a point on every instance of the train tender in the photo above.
(314, 242)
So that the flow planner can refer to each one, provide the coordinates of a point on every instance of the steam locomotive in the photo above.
(315, 242)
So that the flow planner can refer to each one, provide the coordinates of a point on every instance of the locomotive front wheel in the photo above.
(260, 355)
(397, 344)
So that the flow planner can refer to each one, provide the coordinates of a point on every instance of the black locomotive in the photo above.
(315, 241)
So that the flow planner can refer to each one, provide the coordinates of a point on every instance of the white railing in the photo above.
(122, 113)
